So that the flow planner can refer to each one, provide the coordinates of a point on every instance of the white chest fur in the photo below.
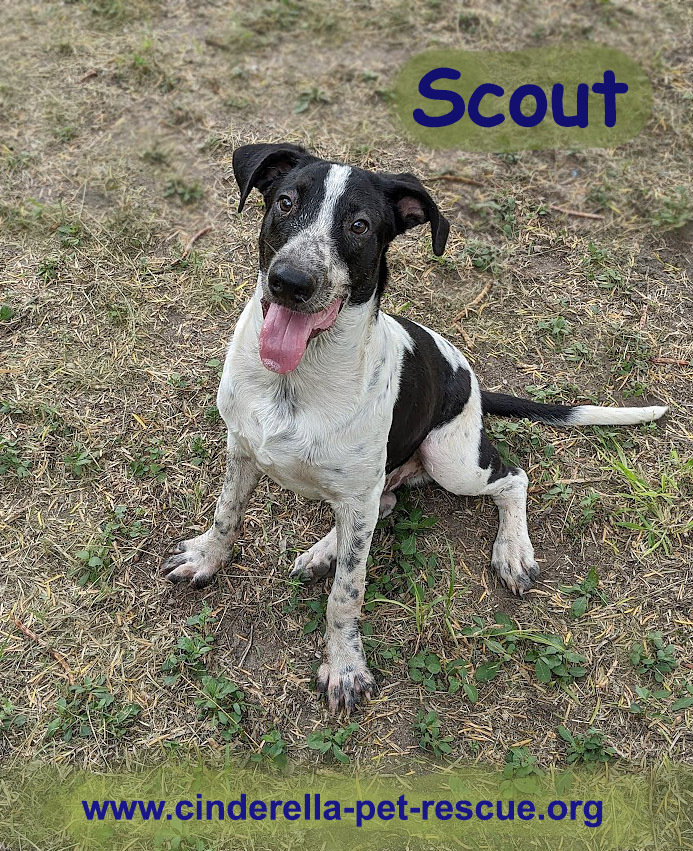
(321, 430)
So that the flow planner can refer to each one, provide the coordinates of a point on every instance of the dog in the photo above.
(338, 401)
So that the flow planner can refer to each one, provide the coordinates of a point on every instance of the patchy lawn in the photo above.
(117, 123)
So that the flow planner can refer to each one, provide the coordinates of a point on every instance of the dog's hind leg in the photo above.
(460, 457)
(320, 560)
(198, 559)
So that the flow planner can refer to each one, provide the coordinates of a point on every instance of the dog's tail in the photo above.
(503, 405)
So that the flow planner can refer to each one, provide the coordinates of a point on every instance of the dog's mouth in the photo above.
(285, 333)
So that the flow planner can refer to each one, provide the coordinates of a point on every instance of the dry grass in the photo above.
(119, 118)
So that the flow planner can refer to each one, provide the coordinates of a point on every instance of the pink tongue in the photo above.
(285, 334)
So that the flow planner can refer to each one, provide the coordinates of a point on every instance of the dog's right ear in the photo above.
(259, 166)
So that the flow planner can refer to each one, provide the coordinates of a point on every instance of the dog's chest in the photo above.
(298, 441)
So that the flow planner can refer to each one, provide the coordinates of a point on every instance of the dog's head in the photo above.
(323, 239)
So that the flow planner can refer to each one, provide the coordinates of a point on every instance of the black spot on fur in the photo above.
(431, 393)
(359, 525)
(489, 458)
(352, 631)
(359, 543)
(351, 563)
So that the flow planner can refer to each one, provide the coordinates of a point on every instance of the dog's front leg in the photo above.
(198, 559)
(344, 676)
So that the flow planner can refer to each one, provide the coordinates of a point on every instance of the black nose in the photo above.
(289, 285)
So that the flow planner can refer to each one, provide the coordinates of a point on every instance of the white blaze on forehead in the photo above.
(313, 246)
(335, 184)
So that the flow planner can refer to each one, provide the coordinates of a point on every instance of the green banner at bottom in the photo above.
(185, 807)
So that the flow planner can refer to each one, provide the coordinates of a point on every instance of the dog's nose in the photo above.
(289, 285)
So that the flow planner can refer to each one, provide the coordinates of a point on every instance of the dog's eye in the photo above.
(285, 203)
(359, 226)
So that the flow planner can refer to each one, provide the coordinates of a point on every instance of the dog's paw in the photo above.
(514, 563)
(319, 561)
(345, 687)
(195, 561)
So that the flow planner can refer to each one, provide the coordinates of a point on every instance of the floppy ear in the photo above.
(413, 206)
(259, 166)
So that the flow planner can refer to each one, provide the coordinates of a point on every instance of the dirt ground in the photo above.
(123, 268)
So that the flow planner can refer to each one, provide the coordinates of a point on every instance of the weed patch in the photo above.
(589, 748)
(183, 191)
(10, 717)
(654, 657)
(273, 750)
(584, 592)
(96, 561)
(427, 732)
(331, 743)
(12, 460)
(191, 651)
(435, 674)
(221, 704)
(89, 709)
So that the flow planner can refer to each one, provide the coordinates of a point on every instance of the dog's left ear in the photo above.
(260, 166)
(413, 206)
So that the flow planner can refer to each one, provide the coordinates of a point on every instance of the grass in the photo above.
(588, 748)
(654, 657)
(273, 750)
(90, 710)
(111, 446)
(428, 733)
(650, 508)
(330, 743)
(190, 654)
(587, 591)
(221, 706)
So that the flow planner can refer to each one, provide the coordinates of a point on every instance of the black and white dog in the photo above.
(338, 401)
